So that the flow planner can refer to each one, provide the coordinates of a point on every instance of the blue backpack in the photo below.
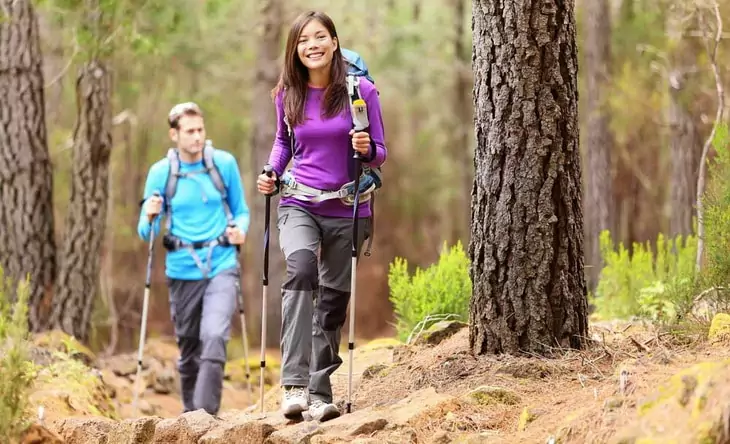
(372, 178)
(355, 64)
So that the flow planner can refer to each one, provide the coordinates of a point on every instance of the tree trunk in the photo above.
(685, 147)
(684, 139)
(599, 204)
(526, 249)
(463, 113)
(264, 132)
(27, 245)
(78, 279)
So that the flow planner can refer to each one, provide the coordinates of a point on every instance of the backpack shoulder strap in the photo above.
(353, 90)
(216, 178)
(171, 185)
(212, 169)
(353, 87)
(289, 129)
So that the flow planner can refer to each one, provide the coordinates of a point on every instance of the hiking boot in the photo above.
(321, 411)
(294, 401)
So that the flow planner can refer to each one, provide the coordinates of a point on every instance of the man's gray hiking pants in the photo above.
(314, 296)
(201, 312)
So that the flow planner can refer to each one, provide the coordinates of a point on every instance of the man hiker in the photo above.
(207, 217)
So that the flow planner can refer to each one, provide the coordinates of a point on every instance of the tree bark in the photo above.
(78, 279)
(264, 132)
(27, 245)
(526, 249)
(599, 204)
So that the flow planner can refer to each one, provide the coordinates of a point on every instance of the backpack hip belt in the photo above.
(174, 243)
(368, 184)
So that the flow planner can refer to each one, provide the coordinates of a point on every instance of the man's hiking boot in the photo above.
(295, 401)
(321, 411)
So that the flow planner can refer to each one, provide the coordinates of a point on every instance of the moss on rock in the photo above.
(719, 328)
(67, 387)
(60, 342)
(486, 395)
(439, 332)
(690, 407)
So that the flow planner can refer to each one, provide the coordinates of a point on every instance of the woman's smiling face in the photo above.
(316, 46)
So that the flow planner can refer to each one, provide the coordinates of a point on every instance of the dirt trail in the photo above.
(442, 393)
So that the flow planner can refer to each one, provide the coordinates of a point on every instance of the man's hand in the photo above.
(235, 235)
(152, 207)
(360, 142)
(266, 184)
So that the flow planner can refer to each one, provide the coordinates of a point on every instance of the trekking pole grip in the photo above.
(269, 171)
(232, 224)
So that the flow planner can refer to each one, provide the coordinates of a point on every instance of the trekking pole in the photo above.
(360, 120)
(353, 281)
(145, 305)
(242, 315)
(265, 281)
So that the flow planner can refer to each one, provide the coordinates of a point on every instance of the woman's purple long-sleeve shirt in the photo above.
(324, 149)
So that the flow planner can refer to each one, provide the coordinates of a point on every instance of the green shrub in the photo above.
(646, 284)
(664, 286)
(441, 290)
(16, 369)
(716, 201)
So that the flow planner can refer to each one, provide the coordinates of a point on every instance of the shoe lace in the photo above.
(294, 392)
(317, 404)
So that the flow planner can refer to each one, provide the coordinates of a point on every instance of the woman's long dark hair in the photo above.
(294, 77)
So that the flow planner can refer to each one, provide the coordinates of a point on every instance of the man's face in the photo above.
(190, 135)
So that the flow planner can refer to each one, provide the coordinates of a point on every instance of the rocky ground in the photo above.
(635, 383)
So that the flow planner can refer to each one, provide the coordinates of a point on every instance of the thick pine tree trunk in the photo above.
(526, 249)
(77, 285)
(264, 131)
(27, 246)
(599, 206)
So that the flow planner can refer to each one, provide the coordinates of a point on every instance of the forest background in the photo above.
(648, 103)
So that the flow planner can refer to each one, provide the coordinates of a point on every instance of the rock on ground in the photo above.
(692, 407)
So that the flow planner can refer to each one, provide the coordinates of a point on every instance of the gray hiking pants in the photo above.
(314, 296)
(201, 312)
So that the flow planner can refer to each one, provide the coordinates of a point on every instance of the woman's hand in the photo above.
(265, 184)
(360, 142)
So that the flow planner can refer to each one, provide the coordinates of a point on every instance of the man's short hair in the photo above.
(182, 109)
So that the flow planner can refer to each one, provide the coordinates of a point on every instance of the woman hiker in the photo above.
(312, 98)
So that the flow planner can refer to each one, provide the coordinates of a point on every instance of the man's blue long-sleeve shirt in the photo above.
(197, 214)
